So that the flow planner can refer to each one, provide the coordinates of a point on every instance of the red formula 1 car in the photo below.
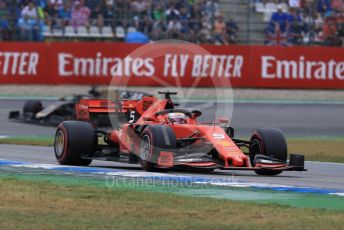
(159, 135)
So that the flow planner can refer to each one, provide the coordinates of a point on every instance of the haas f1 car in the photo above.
(160, 136)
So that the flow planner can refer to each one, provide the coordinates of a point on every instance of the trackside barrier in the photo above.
(171, 64)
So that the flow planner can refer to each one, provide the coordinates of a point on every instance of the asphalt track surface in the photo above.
(304, 120)
(297, 120)
(319, 175)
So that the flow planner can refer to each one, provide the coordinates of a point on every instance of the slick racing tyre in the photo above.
(271, 143)
(31, 107)
(74, 139)
(154, 139)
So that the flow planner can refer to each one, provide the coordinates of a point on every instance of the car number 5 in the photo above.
(132, 117)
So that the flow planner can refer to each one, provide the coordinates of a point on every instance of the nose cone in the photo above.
(237, 161)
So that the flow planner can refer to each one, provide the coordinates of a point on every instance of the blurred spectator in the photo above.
(29, 23)
(338, 5)
(328, 34)
(160, 25)
(80, 15)
(50, 14)
(97, 15)
(145, 25)
(211, 8)
(184, 17)
(172, 13)
(195, 25)
(294, 3)
(324, 7)
(190, 37)
(65, 13)
(157, 35)
(174, 28)
(158, 12)
(108, 14)
(279, 17)
(294, 20)
(308, 6)
(112, 2)
(135, 22)
(231, 30)
(310, 21)
(204, 35)
(219, 30)
(56, 3)
(30, 11)
(192, 20)
(5, 31)
(139, 7)
(197, 10)
(294, 31)
(92, 4)
(318, 22)
(119, 4)
(340, 28)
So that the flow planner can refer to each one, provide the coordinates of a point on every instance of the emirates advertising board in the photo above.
(171, 64)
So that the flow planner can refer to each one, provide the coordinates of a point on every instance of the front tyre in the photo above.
(154, 139)
(31, 108)
(271, 143)
(73, 140)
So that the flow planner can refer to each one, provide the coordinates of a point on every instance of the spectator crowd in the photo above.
(197, 21)
(290, 22)
(297, 22)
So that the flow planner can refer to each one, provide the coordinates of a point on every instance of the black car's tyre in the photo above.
(72, 140)
(31, 107)
(155, 138)
(269, 142)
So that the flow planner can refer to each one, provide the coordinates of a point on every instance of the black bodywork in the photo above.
(51, 115)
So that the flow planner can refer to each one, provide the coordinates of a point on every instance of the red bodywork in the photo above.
(144, 112)
(87, 106)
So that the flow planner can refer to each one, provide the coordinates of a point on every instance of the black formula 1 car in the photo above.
(64, 109)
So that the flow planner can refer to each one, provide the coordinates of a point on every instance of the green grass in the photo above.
(29, 140)
(318, 149)
(315, 149)
(46, 205)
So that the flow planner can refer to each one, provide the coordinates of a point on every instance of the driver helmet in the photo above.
(178, 118)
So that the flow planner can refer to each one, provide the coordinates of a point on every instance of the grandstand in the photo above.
(290, 22)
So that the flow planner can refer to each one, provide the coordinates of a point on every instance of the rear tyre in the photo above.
(31, 107)
(154, 139)
(269, 142)
(74, 139)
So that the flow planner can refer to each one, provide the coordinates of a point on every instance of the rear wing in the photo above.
(100, 112)
(105, 113)
(85, 107)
